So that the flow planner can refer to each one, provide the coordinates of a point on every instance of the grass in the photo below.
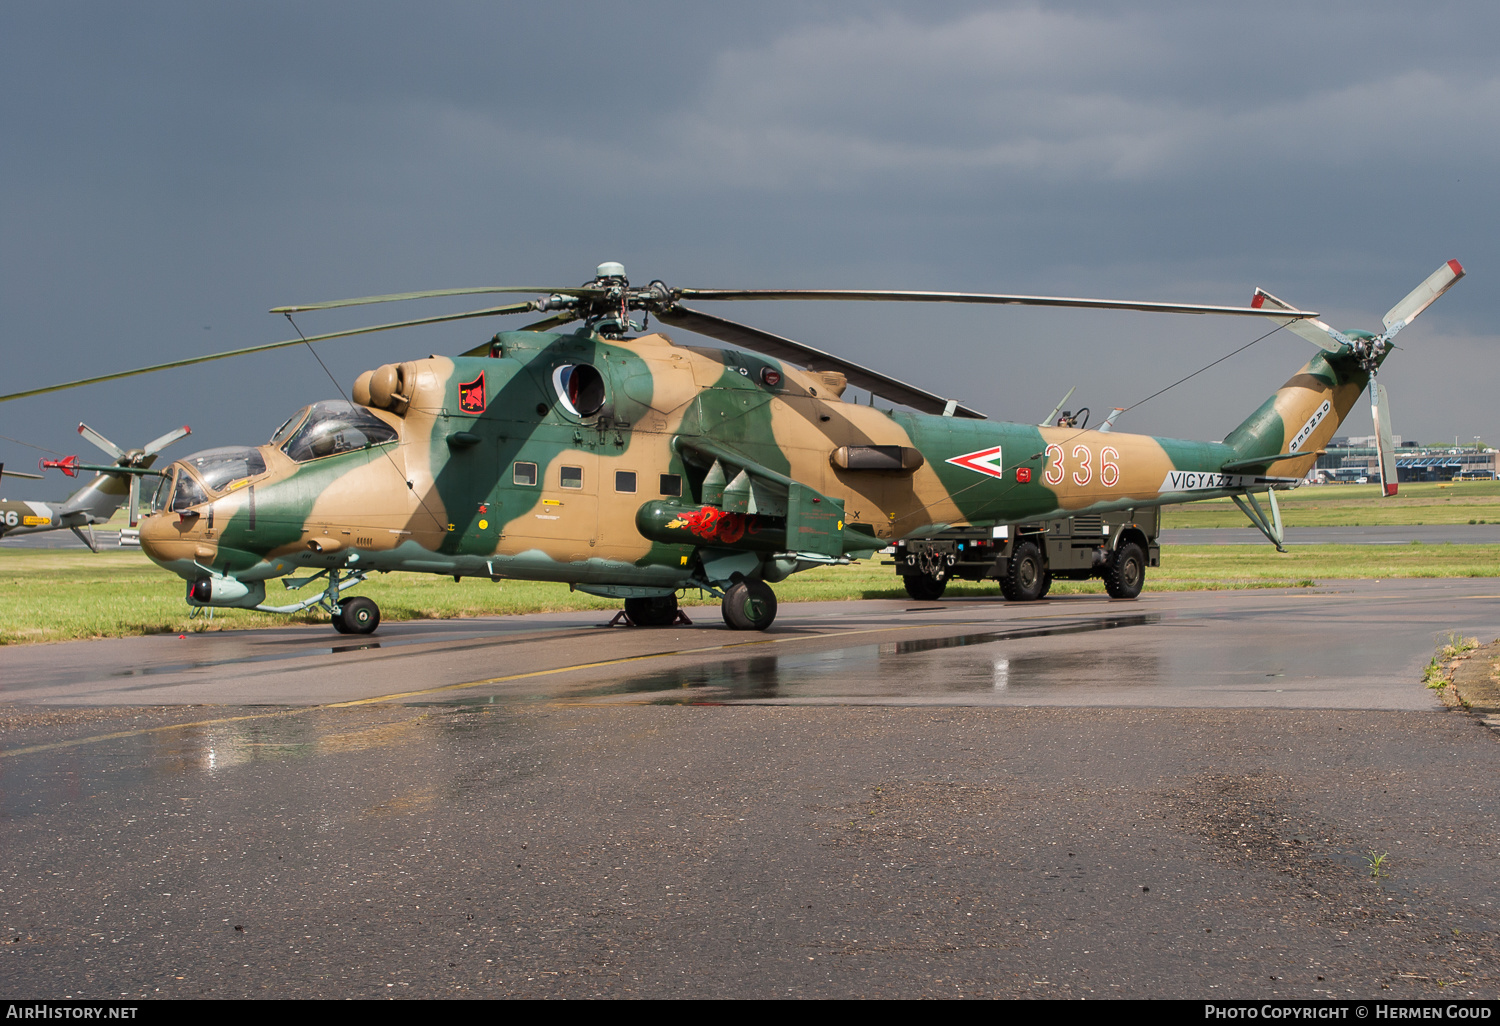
(1438, 673)
(1459, 502)
(62, 594)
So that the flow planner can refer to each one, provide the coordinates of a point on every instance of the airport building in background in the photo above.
(1354, 460)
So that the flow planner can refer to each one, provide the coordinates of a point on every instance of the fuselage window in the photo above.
(524, 474)
(572, 477)
(624, 480)
(671, 484)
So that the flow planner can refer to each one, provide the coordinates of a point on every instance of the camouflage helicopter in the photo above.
(632, 467)
(97, 500)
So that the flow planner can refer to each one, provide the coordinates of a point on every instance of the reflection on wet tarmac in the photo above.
(890, 668)
(300, 653)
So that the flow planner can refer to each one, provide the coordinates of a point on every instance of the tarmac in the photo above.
(1214, 794)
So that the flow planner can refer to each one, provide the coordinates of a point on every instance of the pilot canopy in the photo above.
(330, 427)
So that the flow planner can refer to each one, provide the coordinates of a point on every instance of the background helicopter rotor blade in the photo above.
(813, 359)
(396, 297)
(868, 295)
(156, 445)
(490, 312)
(113, 450)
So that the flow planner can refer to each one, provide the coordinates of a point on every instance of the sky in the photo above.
(170, 171)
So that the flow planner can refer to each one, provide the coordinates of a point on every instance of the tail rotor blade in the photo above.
(135, 499)
(1421, 297)
(1315, 331)
(157, 445)
(114, 451)
(1380, 412)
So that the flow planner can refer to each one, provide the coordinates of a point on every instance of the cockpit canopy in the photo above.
(211, 471)
(330, 427)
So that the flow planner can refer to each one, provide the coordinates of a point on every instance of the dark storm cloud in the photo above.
(170, 171)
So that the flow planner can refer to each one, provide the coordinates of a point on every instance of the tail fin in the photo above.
(1285, 435)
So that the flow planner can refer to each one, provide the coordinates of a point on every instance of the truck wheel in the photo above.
(357, 616)
(924, 587)
(1046, 585)
(1026, 577)
(1126, 573)
(749, 606)
(652, 612)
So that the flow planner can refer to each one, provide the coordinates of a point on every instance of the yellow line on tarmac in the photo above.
(28, 750)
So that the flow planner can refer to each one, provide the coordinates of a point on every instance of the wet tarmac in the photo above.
(1177, 796)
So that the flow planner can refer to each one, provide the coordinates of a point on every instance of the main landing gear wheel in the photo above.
(357, 616)
(1026, 578)
(925, 587)
(749, 606)
(652, 612)
(1126, 573)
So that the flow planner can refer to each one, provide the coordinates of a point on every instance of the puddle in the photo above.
(893, 667)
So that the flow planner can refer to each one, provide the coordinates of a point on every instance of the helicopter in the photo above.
(613, 459)
(112, 485)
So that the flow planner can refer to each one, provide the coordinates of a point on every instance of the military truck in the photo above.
(1026, 558)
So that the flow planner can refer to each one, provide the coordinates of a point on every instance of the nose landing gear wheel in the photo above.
(749, 606)
(357, 616)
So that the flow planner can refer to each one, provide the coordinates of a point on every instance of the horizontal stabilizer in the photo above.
(17, 473)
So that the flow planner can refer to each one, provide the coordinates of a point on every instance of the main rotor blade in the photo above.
(548, 323)
(491, 312)
(396, 297)
(812, 359)
(880, 296)
(110, 448)
(156, 445)
(1421, 297)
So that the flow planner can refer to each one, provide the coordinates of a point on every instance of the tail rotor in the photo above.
(1370, 350)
